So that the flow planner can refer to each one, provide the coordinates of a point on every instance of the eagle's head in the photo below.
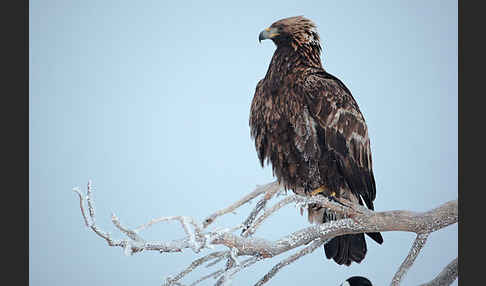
(293, 31)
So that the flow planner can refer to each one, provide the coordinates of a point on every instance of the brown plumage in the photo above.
(306, 123)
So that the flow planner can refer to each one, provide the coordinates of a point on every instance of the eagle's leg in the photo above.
(318, 190)
(331, 196)
(323, 190)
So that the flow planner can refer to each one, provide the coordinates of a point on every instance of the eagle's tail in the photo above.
(376, 236)
(347, 248)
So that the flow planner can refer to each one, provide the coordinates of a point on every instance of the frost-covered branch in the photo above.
(271, 191)
(309, 249)
(198, 237)
(227, 276)
(265, 189)
(91, 224)
(446, 276)
(196, 263)
(417, 246)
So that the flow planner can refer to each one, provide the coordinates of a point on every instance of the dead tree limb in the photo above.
(198, 237)
(309, 249)
(417, 246)
(446, 276)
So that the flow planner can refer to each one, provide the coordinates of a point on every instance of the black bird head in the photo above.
(357, 281)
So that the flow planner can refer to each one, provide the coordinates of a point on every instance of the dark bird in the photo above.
(306, 123)
(357, 281)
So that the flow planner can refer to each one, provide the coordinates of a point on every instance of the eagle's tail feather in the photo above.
(376, 236)
(347, 248)
(343, 249)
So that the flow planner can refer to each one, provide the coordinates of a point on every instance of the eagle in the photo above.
(306, 123)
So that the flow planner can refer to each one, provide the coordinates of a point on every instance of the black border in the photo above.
(471, 122)
(15, 135)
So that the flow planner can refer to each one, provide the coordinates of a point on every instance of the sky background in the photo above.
(150, 100)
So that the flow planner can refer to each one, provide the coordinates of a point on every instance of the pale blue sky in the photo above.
(150, 100)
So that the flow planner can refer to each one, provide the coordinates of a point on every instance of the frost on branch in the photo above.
(357, 219)
(446, 276)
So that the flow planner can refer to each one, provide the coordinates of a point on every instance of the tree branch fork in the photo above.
(198, 237)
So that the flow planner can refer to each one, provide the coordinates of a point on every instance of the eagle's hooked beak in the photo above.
(268, 33)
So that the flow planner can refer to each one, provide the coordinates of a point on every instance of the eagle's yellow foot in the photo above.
(333, 198)
(317, 191)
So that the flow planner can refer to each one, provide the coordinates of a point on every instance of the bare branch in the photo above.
(309, 249)
(228, 274)
(426, 222)
(251, 218)
(357, 219)
(196, 263)
(185, 222)
(216, 261)
(446, 276)
(259, 206)
(128, 232)
(300, 201)
(90, 202)
(251, 229)
(211, 275)
(93, 225)
(417, 246)
(81, 206)
(258, 191)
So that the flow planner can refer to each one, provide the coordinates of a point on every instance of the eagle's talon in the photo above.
(317, 191)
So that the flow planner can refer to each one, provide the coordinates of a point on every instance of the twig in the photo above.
(213, 275)
(308, 249)
(185, 222)
(216, 261)
(132, 234)
(90, 202)
(251, 218)
(81, 205)
(417, 246)
(228, 274)
(182, 219)
(299, 200)
(258, 191)
(251, 229)
(446, 276)
(93, 226)
(259, 207)
(196, 263)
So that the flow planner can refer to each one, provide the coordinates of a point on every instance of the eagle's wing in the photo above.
(343, 131)
(257, 120)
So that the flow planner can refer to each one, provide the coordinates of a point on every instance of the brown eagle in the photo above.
(308, 125)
